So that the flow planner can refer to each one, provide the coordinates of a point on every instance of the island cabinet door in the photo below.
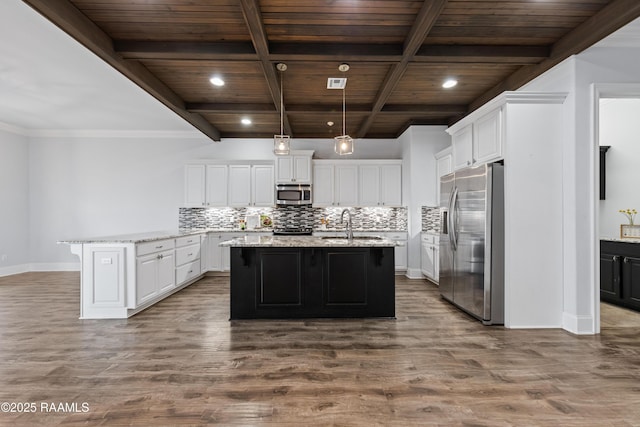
(267, 283)
(359, 282)
(610, 278)
(631, 282)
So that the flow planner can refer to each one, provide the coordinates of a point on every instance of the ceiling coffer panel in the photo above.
(399, 53)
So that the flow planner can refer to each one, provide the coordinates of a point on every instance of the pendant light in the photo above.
(281, 143)
(343, 143)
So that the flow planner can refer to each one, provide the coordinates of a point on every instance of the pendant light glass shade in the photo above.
(281, 143)
(343, 143)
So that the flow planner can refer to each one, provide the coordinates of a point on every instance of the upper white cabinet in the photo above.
(346, 185)
(444, 166)
(487, 137)
(478, 142)
(357, 183)
(251, 185)
(380, 185)
(324, 184)
(462, 144)
(295, 168)
(238, 185)
(205, 185)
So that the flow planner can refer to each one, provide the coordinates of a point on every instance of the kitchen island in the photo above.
(311, 277)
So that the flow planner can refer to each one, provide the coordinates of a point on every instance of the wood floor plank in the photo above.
(182, 362)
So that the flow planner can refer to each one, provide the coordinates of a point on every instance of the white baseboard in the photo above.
(579, 325)
(45, 266)
(414, 273)
(14, 269)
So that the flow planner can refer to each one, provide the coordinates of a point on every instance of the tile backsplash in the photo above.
(430, 219)
(373, 218)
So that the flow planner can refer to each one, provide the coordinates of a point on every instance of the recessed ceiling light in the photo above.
(330, 123)
(245, 121)
(216, 81)
(448, 84)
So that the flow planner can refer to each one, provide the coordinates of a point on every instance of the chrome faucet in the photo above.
(349, 223)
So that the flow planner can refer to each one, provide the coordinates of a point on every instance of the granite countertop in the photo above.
(308, 242)
(619, 239)
(157, 235)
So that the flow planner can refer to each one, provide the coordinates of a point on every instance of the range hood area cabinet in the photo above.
(366, 183)
(294, 168)
(239, 184)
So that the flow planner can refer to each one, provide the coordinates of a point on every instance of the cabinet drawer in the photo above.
(187, 254)
(396, 236)
(155, 246)
(187, 272)
(187, 240)
(430, 239)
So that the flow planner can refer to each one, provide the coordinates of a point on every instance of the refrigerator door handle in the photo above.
(453, 219)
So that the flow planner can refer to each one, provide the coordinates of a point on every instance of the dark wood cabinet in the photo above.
(312, 282)
(620, 273)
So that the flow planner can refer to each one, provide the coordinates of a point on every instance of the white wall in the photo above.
(619, 129)
(419, 145)
(14, 206)
(578, 76)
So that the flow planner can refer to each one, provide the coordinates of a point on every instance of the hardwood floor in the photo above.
(182, 362)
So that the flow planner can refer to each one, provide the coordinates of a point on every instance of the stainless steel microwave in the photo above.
(293, 194)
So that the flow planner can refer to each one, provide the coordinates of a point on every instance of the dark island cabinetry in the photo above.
(283, 282)
(620, 273)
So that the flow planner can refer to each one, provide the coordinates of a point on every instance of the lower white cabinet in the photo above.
(430, 256)
(400, 252)
(187, 259)
(155, 270)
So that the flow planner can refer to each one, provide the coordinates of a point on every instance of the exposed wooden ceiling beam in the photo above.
(478, 53)
(68, 18)
(611, 18)
(253, 18)
(145, 49)
(389, 109)
(425, 20)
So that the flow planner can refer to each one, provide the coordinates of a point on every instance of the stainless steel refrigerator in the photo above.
(472, 241)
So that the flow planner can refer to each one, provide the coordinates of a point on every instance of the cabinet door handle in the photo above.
(160, 256)
(625, 260)
(160, 247)
(190, 254)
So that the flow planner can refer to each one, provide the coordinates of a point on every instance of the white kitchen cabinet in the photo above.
(487, 137)
(346, 185)
(295, 168)
(205, 185)
(251, 185)
(380, 185)
(262, 186)
(478, 142)
(205, 258)
(444, 166)
(236, 185)
(357, 183)
(155, 270)
(187, 258)
(430, 256)
(462, 145)
(401, 253)
(323, 184)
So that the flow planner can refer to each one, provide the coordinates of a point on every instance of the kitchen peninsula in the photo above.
(311, 277)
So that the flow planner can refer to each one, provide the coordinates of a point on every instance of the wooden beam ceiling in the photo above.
(612, 17)
(427, 17)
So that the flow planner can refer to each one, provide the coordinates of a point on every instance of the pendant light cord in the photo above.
(281, 106)
(344, 113)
